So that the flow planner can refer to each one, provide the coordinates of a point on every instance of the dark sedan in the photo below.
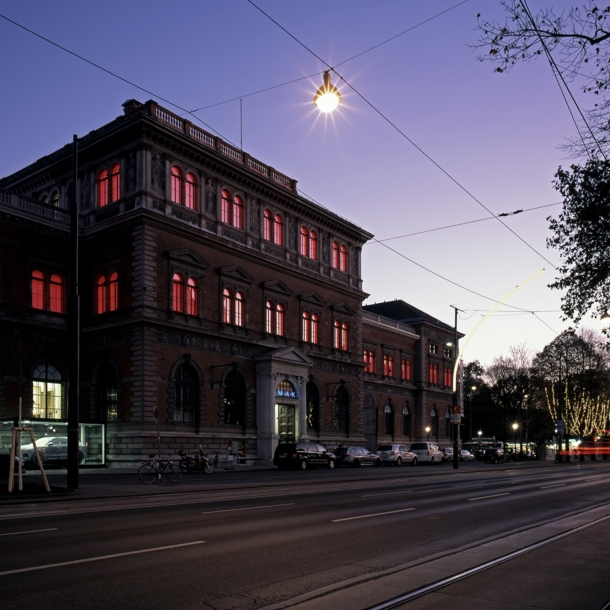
(356, 456)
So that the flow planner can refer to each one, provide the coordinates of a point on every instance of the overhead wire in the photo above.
(403, 134)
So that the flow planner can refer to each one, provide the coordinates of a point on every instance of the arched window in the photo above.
(335, 255)
(57, 302)
(448, 423)
(240, 309)
(178, 292)
(55, 199)
(190, 192)
(113, 292)
(278, 230)
(388, 365)
(280, 320)
(102, 188)
(337, 334)
(115, 182)
(315, 329)
(46, 392)
(267, 225)
(313, 245)
(238, 213)
(304, 242)
(312, 401)
(176, 186)
(388, 419)
(39, 297)
(227, 301)
(235, 399)
(269, 317)
(341, 408)
(405, 369)
(186, 392)
(192, 297)
(226, 207)
(434, 423)
(343, 259)
(101, 294)
(45, 199)
(107, 387)
(406, 420)
(344, 337)
(306, 327)
(369, 361)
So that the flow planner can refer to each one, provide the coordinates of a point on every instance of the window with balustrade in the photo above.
(309, 243)
(108, 186)
(232, 210)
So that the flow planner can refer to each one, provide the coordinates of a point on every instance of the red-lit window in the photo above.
(280, 320)
(269, 316)
(238, 213)
(101, 294)
(434, 373)
(448, 375)
(343, 259)
(306, 329)
(304, 242)
(227, 309)
(337, 334)
(57, 294)
(341, 335)
(39, 296)
(313, 245)
(369, 361)
(190, 193)
(365, 357)
(267, 225)
(102, 189)
(335, 255)
(176, 186)
(344, 337)
(388, 365)
(192, 297)
(278, 230)
(240, 309)
(226, 207)
(115, 183)
(113, 292)
(315, 329)
(405, 369)
(177, 292)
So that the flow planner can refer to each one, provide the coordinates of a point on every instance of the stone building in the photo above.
(211, 290)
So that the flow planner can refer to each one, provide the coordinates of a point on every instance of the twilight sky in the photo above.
(496, 136)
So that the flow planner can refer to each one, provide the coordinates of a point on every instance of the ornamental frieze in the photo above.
(387, 389)
(277, 252)
(336, 367)
(234, 235)
(182, 215)
(439, 396)
(108, 340)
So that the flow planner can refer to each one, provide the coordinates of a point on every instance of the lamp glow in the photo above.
(327, 97)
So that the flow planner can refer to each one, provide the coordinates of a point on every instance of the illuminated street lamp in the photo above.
(327, 97)
(427, 432)
(515, 428)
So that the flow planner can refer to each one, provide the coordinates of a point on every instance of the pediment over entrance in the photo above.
(287, 354)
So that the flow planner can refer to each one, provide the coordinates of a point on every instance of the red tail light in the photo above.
(295, 455)
(428, 453)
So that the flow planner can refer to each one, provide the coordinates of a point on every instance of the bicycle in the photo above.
(152, 471)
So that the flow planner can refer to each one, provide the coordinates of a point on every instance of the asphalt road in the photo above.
(258, 539)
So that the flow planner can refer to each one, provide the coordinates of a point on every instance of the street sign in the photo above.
(456, 414)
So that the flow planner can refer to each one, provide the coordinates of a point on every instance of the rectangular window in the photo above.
(448, 374)
(405, 369)
(433, 373)
(448, 352)
(433, 348)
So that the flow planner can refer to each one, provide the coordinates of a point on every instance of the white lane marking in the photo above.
(556, 485)
(593, 479)
(391, 512)
(100, 558)
(388, 493)
(232, 510)
(485, 497)
(50, 529)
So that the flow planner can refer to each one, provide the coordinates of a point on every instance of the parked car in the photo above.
(356, 456)
(396, 454)
(427, 452)
(466, 456)
(448, 454)
(302, 456)
(494, 455)
(51, 449)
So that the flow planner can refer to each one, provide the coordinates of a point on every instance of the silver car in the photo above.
(51, 449)
(396, 454)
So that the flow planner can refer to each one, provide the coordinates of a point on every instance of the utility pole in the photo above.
(74, 331)
(456, 351)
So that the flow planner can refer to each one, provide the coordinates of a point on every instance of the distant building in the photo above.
(210, 290)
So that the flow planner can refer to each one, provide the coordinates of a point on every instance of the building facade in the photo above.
(212, 293)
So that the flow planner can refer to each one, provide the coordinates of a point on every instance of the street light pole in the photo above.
(515, 428)
(456, 462)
